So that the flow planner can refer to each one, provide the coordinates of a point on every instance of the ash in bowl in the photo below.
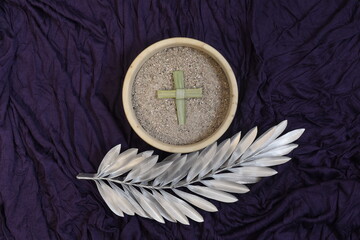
(203, 115)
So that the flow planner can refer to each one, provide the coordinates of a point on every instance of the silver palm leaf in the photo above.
(137, 183)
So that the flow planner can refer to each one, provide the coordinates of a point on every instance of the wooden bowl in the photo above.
(149, 52)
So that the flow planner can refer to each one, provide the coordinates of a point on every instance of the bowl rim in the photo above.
(142, 58)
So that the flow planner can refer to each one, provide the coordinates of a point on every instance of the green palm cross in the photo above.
(180, 94)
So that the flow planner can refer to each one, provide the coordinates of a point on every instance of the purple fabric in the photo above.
(62, 64)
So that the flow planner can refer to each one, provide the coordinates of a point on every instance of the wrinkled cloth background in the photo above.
(62, 67)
